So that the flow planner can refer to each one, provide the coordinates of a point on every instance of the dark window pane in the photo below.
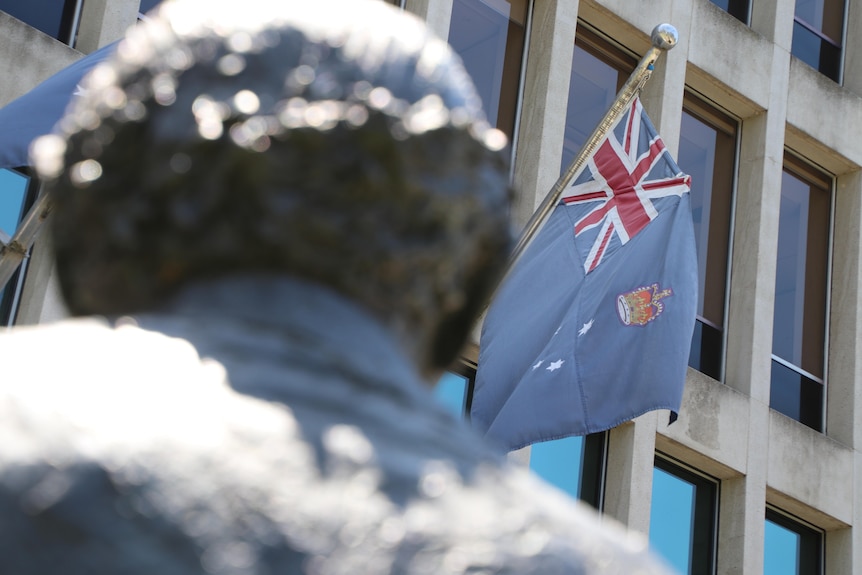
(824, 16)
(815, 51)
(489, 37)
(147, 5)
(572, 464)
(706, 345)
(799, 320)
(706, 152)
(796, 396)
(598, 72)
(817, 31)
(799, 324)
(791, 547)
(53, 17)
(736, 8)
(682, 521)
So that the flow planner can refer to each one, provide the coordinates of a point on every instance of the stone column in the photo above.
(104, 21)
(436, 13)
(539, 146)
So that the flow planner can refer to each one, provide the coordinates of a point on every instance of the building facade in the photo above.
(760, 103)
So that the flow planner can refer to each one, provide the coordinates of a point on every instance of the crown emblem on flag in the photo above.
(642, 305)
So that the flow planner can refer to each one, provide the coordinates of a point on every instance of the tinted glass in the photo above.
(737, 8)
(596, 78)
(825, 16)
(489, 36)
(817, 32)
(451, 392)
(706, 153)
(799, 324)
(799, 321)
(572, 464)
(50, 16)
(671, 528)
(796, 395)
(147, 5)
(560, 462)
(790, 547)
(682, 520)
(780, 550)
(816, 51)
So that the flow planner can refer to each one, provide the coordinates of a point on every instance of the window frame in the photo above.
(839, 43)
(710, 113)
(814, 176)
(811, 537)
(710, 499)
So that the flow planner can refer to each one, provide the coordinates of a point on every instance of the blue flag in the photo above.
(593, 326)
(35, 113)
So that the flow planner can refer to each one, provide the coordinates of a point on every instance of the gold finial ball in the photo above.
(664, 36)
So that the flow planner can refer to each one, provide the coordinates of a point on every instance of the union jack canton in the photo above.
(622, 188)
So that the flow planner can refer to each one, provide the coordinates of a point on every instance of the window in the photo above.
(574, 465)
(799, 321)
(490, 35)
(57, 18)
(17, 192)
(598, 72)
(790, 546)
(453, 390)
(818, 27)
(707, 153)
(147, 5)
(683, 518)
(736, 8)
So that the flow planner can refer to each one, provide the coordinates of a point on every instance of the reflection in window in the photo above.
(573, 464)
(736, 8)
(598, 72)
(451, 392)
(16, 195)
(791, 547)
(706, 152)
(799, 320)
(818, 26)
(489, 36)
(683, 518)
(57, 18)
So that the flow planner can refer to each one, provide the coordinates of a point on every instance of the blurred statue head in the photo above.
(334, 141)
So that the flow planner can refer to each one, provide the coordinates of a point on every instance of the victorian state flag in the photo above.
(593, 326)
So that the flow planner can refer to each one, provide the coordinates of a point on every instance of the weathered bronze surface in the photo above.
(353, 153)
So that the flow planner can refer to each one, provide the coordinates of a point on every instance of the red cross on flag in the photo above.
(615, 197)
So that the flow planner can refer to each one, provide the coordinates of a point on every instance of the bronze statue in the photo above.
(289, 215)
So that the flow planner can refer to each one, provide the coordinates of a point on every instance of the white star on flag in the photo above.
(538, 364)
(555, 365)
(585, 328)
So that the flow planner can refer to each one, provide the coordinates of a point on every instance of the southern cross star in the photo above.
(585, 328)
(555, 365)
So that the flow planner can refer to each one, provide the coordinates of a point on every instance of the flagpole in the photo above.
(664, 37)
(14, 252)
